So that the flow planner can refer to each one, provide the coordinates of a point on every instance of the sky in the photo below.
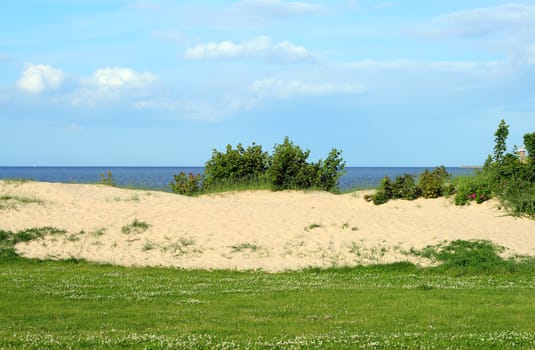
(163, 83)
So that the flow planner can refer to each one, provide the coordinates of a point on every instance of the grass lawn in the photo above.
(74, 304)
(473, 300)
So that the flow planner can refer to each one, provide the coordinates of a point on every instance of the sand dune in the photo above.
(272, 231)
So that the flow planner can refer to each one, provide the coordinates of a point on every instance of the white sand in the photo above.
(247, 230)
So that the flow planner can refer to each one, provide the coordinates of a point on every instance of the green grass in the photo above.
(9, 239)
(236, 186)
(12, 202)
(251, 247)
(76, 304)
(135, 227)
(313, 226)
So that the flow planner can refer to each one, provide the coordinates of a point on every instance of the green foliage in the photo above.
(380, 197)
(252, 168)
(405, 187)
(529, 142)
(79, 305)
(473, 188)
(9, 239)
(500, 145)
(290, 169)
(384, 192)
(240, 165)
(107, 179)
(505, 177)
(468, 257)
(12, 202)
(518, 197)
(186, 184)
(433, 183)
(331, 170)
(135, 227)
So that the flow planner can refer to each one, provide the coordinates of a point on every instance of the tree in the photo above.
(529, 143)
(500, 141)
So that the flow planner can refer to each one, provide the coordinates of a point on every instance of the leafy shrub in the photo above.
(405, 187)
(238, 165)
(473, 188)
(251, 167)
(519, 198)
(289, 167)
(186, 184)
(505, 176)
(380, 197)
(330, 170)
(291, 170)
(433, 183)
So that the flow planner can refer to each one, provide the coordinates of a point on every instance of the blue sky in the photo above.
(390, 83)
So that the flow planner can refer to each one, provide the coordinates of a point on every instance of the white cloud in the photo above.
(261, 46)
(276, 88)
(112, 84)
(118, 77)
(38, 78)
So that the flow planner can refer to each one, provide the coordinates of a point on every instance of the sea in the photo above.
(159, 178)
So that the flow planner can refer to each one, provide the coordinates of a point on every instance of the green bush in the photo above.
(186, 184)
(240, 165)
(519, 198)
(433, 183)
(473, 188)
(290, 169)
(330, 170)
(252, 168)
(405, 187)
(380, 197)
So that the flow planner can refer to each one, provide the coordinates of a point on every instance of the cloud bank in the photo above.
(259, 47)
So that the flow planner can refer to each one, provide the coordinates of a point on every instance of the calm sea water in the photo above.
(160, 177)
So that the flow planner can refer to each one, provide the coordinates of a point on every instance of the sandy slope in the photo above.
(248, 230)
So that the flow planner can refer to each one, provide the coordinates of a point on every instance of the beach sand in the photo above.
(271, 231)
